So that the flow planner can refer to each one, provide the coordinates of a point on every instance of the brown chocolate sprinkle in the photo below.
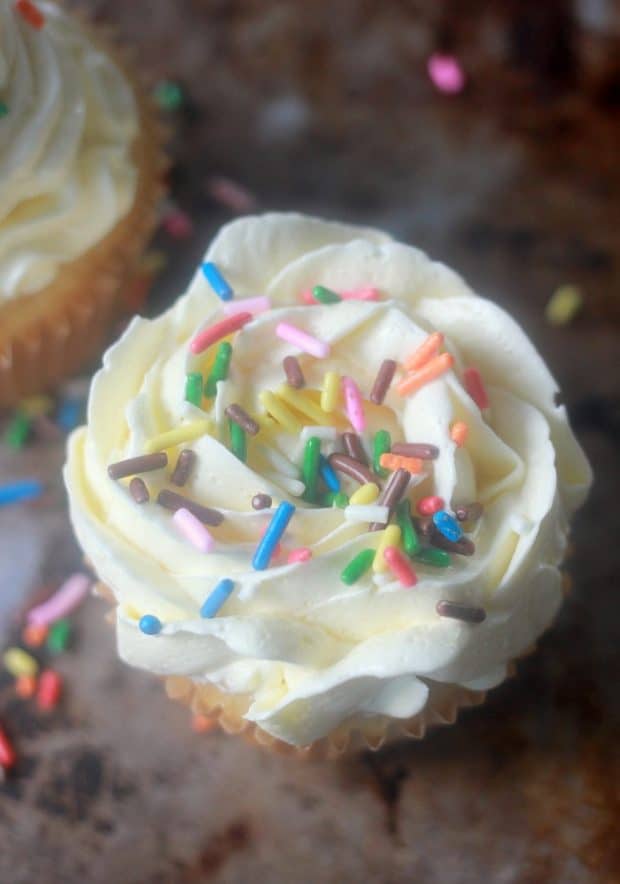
(467, 613)
(352, 445)
(415, 449)
(183, 468)
(143, 464)
(261, 501)
(462, 547)
(382, 381)
(294, 374)
(173, 501)
(343, 463)
(138, 490)
(240, 416)
(424, 526)
(469, 513)
(392, 494)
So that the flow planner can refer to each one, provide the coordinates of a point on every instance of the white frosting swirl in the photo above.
(66, 171)
(309, 651)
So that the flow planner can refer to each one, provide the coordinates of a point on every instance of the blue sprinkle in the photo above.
(328, 474)
(217, 282)
(26, 489)
(447, 525)
(216, 599)
(150, 624)
(69, 414)
(272, 535)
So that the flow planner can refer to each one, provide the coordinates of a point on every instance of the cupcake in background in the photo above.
(80, 176)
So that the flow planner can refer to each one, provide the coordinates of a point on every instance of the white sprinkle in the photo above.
(279, 461)
(367, 513)
(293, 486)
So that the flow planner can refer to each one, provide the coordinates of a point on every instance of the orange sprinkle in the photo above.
(429, 372)
(30, 13)
(34, 635)
(458, 433)
(428, 348)
(202, 724)
(25, 686)
(398, 461)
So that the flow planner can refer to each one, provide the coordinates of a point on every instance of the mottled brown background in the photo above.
(325, 107)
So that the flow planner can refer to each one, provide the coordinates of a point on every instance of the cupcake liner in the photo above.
(49, 335)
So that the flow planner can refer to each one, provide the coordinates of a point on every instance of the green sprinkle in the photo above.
(409, 536)
(58, 636)
(219, 372)
(341, 500)
(238, 441)
(325, 296)
(193, 388)
(328, 498)
(4, 109)
(438, 558)
(381, 445)
(310, 468)
(358, 566)
(168, 95)
(17, 431)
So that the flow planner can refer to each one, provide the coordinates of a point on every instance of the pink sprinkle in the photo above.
(250, 305)
(308, 298)
(301, 339)
(49, 689)
(364, 293)
(220, 330)
(64, 600)
(231, 194)
(354, 406)
(474, 385)
(399, 565)
(446, 73)
(178, 224)
(193, 530)
(427, 506)
(301, 554)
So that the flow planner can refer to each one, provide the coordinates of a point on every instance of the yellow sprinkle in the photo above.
(184, 433)
(19, 662)
(280, 412)
(390, 536)
(302, 403)
(564, 305)
(34, 406)
(131, 612)
(331, 391)
(367, 493)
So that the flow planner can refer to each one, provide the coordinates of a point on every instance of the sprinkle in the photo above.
(302, 403)
(474, 385)
(382, 381)
(301, 554)
(380, 446)
(330, 392)
(69, 414)
(427, 506)
(25, 489)
(459, 432)
(357, 567)
(397, 462)
(34, 634)
(294, 374)
(305, 342)
(18, 431)
(400, 566)
(446, 73)
(258, 304)
(19, 662)
(219, 371)
(327, 434)
(4, 109)
(49, 690)
(34, 406)
(238, 439)
(341, 500)
(279, 461)
(202, 724)
(261, 501)
(389, 537)
(231, 194)
(343, 463)
(146, 463)
(279, 412)
(328, 475)
(193, 530)
(466, 613)
(564, 305)
(59, 636)
(66, 598)
(325, 295)
(416, 449)
(410, 539)
(470, 512)
(437, 558)
(425, 527)
(429, 348)
(310, 468)
(367, 513)
(168, 95)
(193, 388)
(30, 13)
(393, 492)
(149, 624)
(366, 494)
(184, 465)
(353, 447)
(185, 433)
(217, 282)
(272, 535)
(214, 333)
(138, 490)
(293, 486)
(177, 224)
(363, 293)
(462, 547)
(429, 372)
(354, 406)
(239, 416)
(7, 752)
(173, 501)
(217, 598)
(26, 686)
(447, 525)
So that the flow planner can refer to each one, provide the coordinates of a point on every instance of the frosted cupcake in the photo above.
(328, 491)
(80, 165)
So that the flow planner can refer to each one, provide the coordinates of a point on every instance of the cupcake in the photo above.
(328, 491)
(80, 168)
